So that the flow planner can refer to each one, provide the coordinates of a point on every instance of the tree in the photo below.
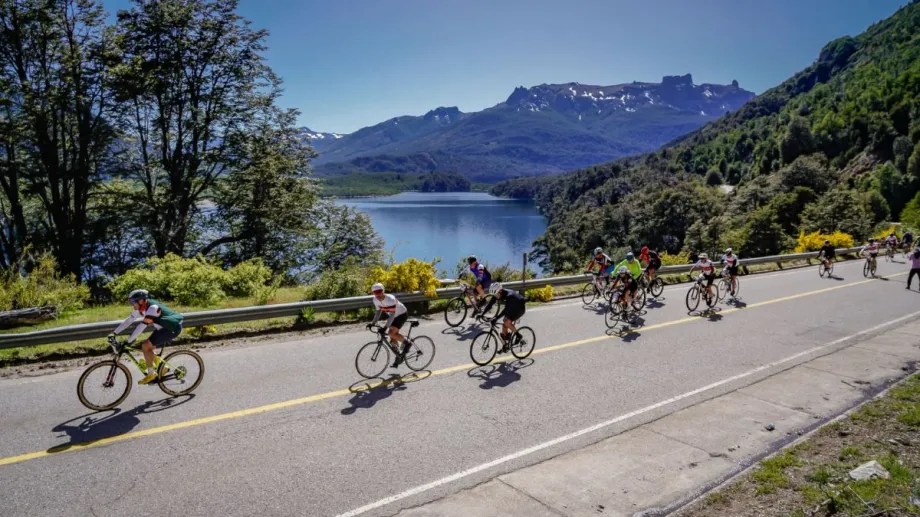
(713, 178)
(57, 107)
(764, 235)
(798, 140)
(195, 79)
(910, 216)
(838, 209)
(805, 171)
(342, 232)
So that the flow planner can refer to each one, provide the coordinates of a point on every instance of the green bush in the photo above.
(349, 280)
(43, 286)
(195, 281)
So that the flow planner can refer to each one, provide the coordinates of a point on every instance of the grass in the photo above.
(812, 478)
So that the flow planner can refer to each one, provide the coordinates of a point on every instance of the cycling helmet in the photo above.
(630, 256)
(598, 250)
(495, 288)
(704, 256)
(728, 250)
(826, 242)
(471, 259)
(377, 287)
(644, 250)
(622, 270)
(137, 295)
(872, 240)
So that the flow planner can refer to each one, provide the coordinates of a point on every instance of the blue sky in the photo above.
(347, 64)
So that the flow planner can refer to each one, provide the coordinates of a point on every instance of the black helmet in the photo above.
(137, 295)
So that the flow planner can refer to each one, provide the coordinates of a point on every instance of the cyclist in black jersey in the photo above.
(827, 253)
(512, 311)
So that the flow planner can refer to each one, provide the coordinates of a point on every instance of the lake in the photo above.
(453, 225)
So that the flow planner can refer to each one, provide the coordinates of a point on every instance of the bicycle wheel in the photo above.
(657, 287)
(420, 353)
(104, 385)
(723, 289)
(612, 314)
(737, 287)
(524, 340)
(711, 299)
(496, 307)
(483, 348)
(180, 372)
(638, 300)
(693, 298)
(455, 312)
(866, 269)
(372, 359)
(872, 268)
(822, 269)
(589, 293)
(830, 270)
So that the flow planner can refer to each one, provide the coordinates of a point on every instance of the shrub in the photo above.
(41, 287)
(883, 233)
(814, 240)
(247, 278)
(543, 294)
(507, 273)
(409, 276)
(349, 280)
(675, 260)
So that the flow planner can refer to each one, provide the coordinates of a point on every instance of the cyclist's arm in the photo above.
(590, 265)
(377, 315)
(127, 323)
(138, 330)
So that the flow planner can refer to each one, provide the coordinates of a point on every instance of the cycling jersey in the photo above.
(730, 260)
(482, 275)
(891, 241)
(514, 305)
(393, 307)
(634, 268)
(827, 251)
(602, 263)
(908, 238)
(652, 259)
(871, 248)
(706, 266)
(159, 315)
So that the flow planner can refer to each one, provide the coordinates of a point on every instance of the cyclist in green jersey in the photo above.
(167, 326)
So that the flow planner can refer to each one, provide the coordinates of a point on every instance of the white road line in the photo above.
(545, 445)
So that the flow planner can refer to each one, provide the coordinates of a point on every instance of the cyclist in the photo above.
(907, 240)
(730, 264)
(604, 265)
(630, 285)
(652, 261)
(635, 270)
(708, 269)
(512, 311)
(827, 254)
(914, 267)
(167, 326)
(871, 248)
(892, 243)
(483, 278)
(397, 316)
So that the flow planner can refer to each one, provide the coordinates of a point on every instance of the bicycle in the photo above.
(728, 285)
(697, 291)
(593, 290)
(457, 308)
(826, 267)
(654, 287)
(179, 373)
(889, 253)
(374, 357)
(616, 305)
(869, 267)
(485, 345)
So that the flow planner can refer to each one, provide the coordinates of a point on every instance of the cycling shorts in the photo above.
(486, 284)
(161, 336)
(710, 278)
(514, 314)
(654, 265)
(400, 320)
(732, 270)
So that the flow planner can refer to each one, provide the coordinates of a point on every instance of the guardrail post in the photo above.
(524, 274)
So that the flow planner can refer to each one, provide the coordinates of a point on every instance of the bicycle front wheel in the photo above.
(872, 268)
(524, 340)
(638, 300)
(420, 353)
(657, 287)
(737, 287)
(483, 348)
(104, 385)
(612, 314)
(866, 269)
(693, 298)
(372, 359)
(180, 372)
(822, 269)
(455, 312)
(588, 294)
(724, 288)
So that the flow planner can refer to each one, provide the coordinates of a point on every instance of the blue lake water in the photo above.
(453, 225)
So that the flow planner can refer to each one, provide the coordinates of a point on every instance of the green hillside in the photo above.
(836, 147)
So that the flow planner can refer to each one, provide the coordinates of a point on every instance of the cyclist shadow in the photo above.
(368, 392)
(710, 313)
(499, 375)
(626, 332)
(100, 425)
(736, 303)
(654, 303)
(464, 333)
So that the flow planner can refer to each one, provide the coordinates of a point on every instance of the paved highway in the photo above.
(278, 429)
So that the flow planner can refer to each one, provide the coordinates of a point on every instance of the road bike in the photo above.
(728, 286)
(107, 383)
(374, 357)
(698, 291)
(869, 267)
(457, 308)
(594, 289)
(654, 287)
(889, 253)
(618, 310)
(826, 267)
(485, 345)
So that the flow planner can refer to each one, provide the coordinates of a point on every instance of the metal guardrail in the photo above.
(281, 310)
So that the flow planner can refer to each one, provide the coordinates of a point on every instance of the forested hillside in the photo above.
(836, 147)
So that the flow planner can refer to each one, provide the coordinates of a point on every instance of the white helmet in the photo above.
(495, 288)
(377, 287)
(598, 250)
(728, 250)
(703, 256)
(622, 270)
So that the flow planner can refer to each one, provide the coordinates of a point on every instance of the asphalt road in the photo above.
(276, 430)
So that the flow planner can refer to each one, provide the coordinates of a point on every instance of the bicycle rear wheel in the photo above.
(104, 385)
(420, 353)
(455, 312)
(524, 340)
(737, 287)
(822, 269)
(589, 293)
(180, 372)
(483, 348)
(693, 298)
(657, 287)
(372, 359)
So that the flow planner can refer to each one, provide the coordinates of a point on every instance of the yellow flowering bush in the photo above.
(543, 294)
(814, 240)
(674, 260)
(408, 276)
(883, 234)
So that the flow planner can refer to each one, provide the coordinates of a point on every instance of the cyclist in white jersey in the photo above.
(707, 268)
(730, 263)
(397, 316)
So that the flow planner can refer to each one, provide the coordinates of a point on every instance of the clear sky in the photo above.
(348, 64)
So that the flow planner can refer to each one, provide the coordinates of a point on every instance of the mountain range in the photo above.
(545, 129)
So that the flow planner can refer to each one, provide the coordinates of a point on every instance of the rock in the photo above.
(843, 432)
(770, 427)
(869, 470)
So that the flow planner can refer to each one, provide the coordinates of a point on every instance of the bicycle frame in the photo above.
(124, 349)
(382, 340)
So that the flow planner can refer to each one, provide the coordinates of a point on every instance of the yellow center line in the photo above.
(344, 392)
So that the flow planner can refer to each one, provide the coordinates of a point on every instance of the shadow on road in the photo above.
(464, 332)
(96, 426)
(367, 392)
(654, 303)
(499, 375)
